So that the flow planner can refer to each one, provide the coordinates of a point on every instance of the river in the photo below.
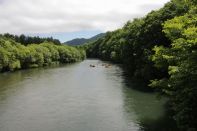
(77, 97)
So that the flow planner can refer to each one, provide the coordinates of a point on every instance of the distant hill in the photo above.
(80, 41)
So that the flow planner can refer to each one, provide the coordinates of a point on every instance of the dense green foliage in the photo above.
(160, 49)
(15, 56)
(26, 40)
(180, 59)
(132, 45)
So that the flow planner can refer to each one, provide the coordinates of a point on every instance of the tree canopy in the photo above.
(14, 55)
(26, 40)
(159, 49)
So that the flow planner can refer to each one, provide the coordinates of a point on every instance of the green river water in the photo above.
(76, 97)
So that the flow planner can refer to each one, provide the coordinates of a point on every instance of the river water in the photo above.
(77, 97)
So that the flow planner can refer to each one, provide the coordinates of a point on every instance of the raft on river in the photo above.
(105, 65)
(92, 65)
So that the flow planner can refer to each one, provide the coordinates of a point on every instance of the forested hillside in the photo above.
(26, 40)
(81, 41)
(160, 49)
(14, 55)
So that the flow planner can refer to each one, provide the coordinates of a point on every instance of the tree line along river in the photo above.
(76, 97)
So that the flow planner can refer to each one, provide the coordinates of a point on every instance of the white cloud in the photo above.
(46, 16)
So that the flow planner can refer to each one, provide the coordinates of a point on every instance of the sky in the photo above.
(68, 19)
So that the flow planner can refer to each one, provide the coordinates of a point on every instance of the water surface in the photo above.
(76, 97)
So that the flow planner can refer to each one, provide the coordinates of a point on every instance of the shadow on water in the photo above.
(152, 111)
(164, 123)
(134, 83)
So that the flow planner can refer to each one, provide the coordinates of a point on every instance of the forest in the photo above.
(15, 55)
(26, 40)
(161, 50)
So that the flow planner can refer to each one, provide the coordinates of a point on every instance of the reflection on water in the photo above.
(76, 97)
(152, 114)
